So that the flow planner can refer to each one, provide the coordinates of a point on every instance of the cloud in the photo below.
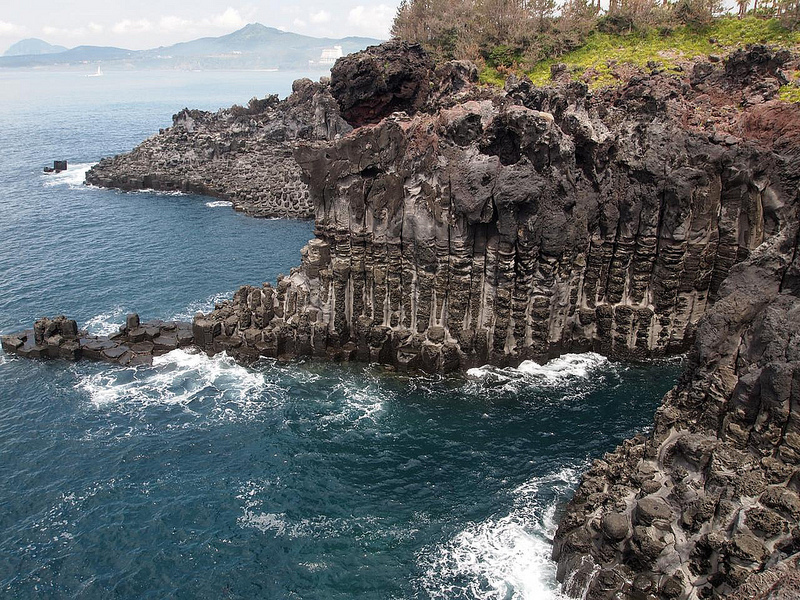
(372, 20)
(322, 16)
(230, 19)
(299, 23)
(129, 26)
(64, 31)
(95, 27)
(170, 23)
(7, 28)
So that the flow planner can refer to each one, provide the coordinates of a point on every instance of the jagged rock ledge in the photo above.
(134, 344)
(240, 154)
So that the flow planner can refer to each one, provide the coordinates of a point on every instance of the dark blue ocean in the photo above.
(199, 478)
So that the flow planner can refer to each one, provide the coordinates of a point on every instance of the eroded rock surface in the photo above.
(134, 344)
(243, 155)
(498, 227)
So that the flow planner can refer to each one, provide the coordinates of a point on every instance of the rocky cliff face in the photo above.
(693, 510)
(239, 154)
(501, 227)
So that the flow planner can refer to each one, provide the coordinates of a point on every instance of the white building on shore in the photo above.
(329, 55)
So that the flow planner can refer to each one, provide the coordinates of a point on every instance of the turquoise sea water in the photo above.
(199, 478)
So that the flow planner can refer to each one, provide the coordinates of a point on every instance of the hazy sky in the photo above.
(142, 24)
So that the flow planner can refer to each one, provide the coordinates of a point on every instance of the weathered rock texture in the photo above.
(243, 155)
(134, 344)
(502, 227)
(711, 496)
(641, 221)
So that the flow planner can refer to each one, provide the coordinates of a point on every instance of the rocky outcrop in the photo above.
(134, 344)
(711, 497)
(641, 221)
(502, 227)
(243, 155)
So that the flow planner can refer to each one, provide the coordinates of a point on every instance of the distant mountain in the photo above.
(77, 55)
(255, 46)
(32, 46)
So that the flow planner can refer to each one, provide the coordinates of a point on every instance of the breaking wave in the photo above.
(74, 176)
(504, 557)
(204, 306)
(219, 204)
(108, 322)
(557, 372)
(188, 379)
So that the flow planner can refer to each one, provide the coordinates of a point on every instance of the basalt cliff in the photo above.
(458, 225)
(240, 154)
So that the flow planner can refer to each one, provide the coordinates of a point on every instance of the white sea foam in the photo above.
(106, 323)
(359, 401)
(73, 177)
(219, 204)
(180, 378)
(158, 192)
(554, 372)
(204, 306)
(505, 557)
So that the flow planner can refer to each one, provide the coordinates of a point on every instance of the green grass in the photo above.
(790, 93)
(491, 76)
(666, 48)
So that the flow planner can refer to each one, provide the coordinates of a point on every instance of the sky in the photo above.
(141, 24)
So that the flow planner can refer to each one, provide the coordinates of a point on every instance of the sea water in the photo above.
(200, 478)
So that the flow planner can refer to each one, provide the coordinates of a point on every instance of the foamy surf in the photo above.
(73, 177)
(354, 402)
(504, 557)
(106, 323)
(203, 306)
(554, 372)
(219, 204)
(180, 378)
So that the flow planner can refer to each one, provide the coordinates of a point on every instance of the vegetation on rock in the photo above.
(512, 36)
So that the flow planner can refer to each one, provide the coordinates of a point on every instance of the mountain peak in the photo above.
(32, 46)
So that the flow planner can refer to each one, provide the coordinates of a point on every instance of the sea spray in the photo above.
(505, 557)
(73, 177)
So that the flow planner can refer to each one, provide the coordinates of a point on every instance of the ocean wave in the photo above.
(504, 557)
(219, 204)
(158, 192)
(254, 495)
(203, 306)
(108, 322)
(557, 372)
(358, 400)
(73, 177)
(181, 378)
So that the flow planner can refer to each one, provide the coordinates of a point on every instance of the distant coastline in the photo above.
(254, 47)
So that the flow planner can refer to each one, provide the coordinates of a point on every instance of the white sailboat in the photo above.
(98, 74)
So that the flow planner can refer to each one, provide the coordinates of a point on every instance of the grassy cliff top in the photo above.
(597, 59)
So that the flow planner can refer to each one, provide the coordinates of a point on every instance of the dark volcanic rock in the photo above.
(243, 155)
(132, 345)
(369, 85)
